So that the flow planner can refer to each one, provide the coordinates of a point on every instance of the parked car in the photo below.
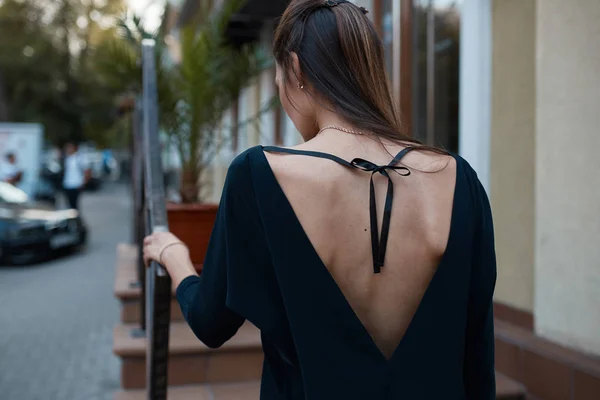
(30, 231)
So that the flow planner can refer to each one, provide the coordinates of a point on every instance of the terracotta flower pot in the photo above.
(193, 224)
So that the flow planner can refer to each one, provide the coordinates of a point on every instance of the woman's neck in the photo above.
(329, 119)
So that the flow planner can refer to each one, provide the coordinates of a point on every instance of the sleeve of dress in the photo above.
(204, 299)
(479, 372)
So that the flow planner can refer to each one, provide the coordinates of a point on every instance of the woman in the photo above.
(365, 259)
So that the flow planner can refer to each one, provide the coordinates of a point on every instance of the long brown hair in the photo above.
(342, 58)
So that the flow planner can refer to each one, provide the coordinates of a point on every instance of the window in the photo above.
(387, 31)
(436, 55)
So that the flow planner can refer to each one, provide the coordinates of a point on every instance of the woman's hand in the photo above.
(160, 244)
(171, 253)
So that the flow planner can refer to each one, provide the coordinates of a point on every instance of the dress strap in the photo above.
(318, 154)
(378, 243)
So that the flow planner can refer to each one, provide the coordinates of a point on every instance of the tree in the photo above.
(3, 105)
(45, 49)
(194, 93)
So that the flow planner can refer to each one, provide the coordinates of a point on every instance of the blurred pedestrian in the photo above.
(11, 173)
(106, 160)
(76, 174)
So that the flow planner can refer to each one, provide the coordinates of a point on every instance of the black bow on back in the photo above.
(378, 244)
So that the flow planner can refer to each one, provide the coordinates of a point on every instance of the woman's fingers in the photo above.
(146, 259)
(149, 256)
(154, 243)
(149, 250)
(148, 240)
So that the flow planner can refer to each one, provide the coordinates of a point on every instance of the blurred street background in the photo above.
(58, 316)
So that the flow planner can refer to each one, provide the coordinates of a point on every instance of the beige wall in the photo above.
(567, 268)
(512, 155)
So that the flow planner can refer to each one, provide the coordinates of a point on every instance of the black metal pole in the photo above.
(132, 150)
(140, 211)
(158, 282)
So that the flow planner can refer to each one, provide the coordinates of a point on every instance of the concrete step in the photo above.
(509, 389)
(232, 391)
(190, 361)
(506, 389)
(545, 368)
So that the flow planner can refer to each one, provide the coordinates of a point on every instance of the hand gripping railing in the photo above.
(151, 216)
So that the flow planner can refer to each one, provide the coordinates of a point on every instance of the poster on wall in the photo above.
(25, 142)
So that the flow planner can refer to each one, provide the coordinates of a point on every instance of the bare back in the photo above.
(332, 204)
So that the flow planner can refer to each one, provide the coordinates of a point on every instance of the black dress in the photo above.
(261, 267)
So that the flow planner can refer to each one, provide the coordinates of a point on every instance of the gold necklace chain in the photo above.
(341, 129)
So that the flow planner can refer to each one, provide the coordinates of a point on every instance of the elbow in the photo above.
(212, 341)
(206, 332)
(211, 338)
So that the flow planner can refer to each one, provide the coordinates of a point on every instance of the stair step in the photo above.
(190, 361)
(231, 391)
(519, 350)
(509, 389)
(130, 311)
(506, 389)
(126, 273)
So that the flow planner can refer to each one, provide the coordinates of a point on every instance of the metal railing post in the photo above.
(139, 202)
(158, 282)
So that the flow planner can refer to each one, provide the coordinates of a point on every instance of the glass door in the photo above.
(387, 24)
(435, 72)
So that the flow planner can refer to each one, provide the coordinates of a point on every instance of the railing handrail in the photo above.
(138, 211)
(157, 282)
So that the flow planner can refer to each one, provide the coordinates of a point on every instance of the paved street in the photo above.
(56, 318)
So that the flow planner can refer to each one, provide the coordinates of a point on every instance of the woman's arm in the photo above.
(202, 299)
(237, 264)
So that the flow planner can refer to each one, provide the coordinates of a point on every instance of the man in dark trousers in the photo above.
(11, 173)
(76, 174)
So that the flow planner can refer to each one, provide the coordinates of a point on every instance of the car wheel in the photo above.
(83, 242)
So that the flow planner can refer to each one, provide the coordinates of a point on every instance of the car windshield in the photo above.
(11, 194)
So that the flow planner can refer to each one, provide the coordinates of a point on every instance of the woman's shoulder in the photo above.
(264, 159)
(240, 167)
(467, 182)
(245, 168)
(474, 186)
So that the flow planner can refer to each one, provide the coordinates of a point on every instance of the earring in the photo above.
(300, 86)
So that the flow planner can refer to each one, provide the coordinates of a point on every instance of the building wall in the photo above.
(512, 148)
(567, 250)
(255, 126)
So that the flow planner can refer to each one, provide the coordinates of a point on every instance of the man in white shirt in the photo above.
(76, 175)
(11, 173)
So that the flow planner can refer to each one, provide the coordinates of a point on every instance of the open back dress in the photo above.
(262, 267)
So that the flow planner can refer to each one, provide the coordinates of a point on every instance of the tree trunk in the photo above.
(189, 188)
(3, 105)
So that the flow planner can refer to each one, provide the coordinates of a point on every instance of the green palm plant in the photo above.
(194, 93)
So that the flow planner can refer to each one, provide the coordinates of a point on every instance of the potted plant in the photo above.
(194, 94)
